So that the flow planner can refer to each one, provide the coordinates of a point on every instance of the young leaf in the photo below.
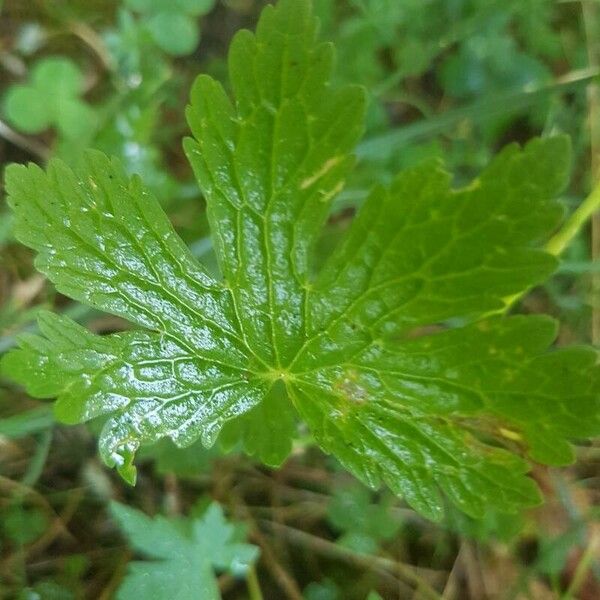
(388, 354)
(183, 562)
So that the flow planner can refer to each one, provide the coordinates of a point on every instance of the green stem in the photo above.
(557, 244)
(582, 570)
(36, 466)
(254, 591)
(578, 219)
(403, 572)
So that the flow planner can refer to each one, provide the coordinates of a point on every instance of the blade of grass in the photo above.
(514, 101)
(27, 423)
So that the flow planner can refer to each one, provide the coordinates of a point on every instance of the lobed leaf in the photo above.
(389, 353)
(186, 554)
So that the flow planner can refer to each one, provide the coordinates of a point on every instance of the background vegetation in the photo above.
(451, 78)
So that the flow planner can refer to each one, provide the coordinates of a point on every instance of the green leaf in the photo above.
(47, 590)
(57, 76)
(184, 462)
(491, 62)
(26, 109)
(188, 7)
(194, 7)
(23, 525)
(175, 33)
(147, 6)
(75, 119)
(388, 353)
(363, 522)
(326, 590)
(51, 99)
(269, 168)
(492, 526)
(274, 414)
(172, 23)
(554, 552)
(185, 554)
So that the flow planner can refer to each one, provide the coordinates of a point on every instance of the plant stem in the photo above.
(30, 145)
(577, 220)
(36, 465)
(254, 591)
(405, 573)
(582, 569)
(558, 242)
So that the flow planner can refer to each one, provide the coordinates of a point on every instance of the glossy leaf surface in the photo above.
(388, 353)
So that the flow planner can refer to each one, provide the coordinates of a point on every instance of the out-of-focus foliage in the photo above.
(184, 554)
(172, 23)
(51, 98)
(362, 522)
